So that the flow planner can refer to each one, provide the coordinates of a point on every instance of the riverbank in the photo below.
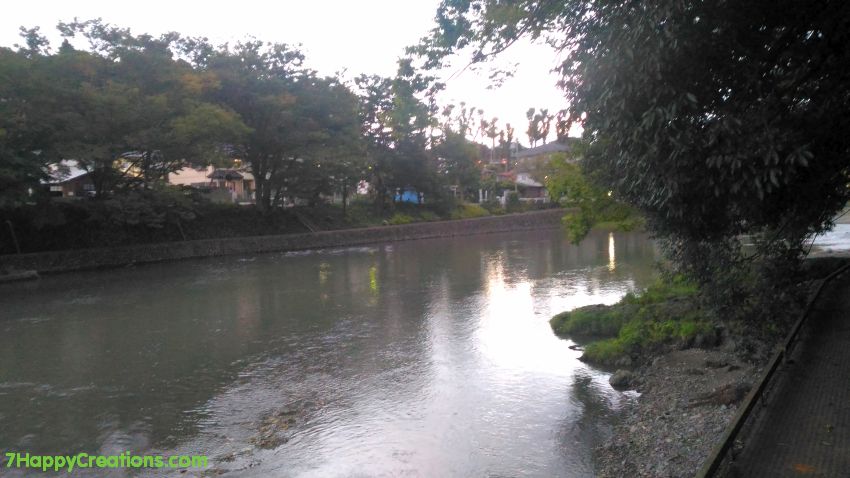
(687, 398)
(95, 258)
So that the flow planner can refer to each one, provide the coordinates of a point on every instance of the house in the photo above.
(529, 164)
(528, 188)
(527, 158)
(240, 183)
(189, 176)
(223, 185)
(68, 179)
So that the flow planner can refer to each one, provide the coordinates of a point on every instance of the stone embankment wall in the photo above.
(79, 259)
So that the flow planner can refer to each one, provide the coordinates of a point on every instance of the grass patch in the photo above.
(590, 321)
(469, 211)
(399, 218)
(604, 351)
(661, 291)
(665, 313)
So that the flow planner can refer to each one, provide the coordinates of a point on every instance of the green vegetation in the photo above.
(469, 211)
(714, 120)
(666, 313)
(661, 290)
(130, 109)
(399, 218)
(177, 214)
(590, 205)
(591, 321)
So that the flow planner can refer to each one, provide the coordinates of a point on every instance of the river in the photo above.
(419, 358)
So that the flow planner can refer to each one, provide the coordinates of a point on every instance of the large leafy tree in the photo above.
(715, 118)
(395, 124)
(458, 161)
(299, 122)
(130, 111)
(25, 137)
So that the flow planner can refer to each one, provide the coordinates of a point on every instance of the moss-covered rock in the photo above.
(592, 321)
(666, 315)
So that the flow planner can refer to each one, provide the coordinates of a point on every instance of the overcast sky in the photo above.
(364, 36)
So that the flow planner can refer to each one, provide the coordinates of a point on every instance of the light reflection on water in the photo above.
(425, 358)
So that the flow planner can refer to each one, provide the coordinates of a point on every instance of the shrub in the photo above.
(590, 321)
(399, 218)
(468, 211)
(666, 312)
(604, 351)
(493, 206)
(429, 216)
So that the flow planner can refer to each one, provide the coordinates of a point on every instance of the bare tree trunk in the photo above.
(345, 197)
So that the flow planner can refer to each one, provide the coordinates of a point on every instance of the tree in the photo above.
(715, 119)
(545, 124)
(129, 113)
(533, 130)
(505, 142)
(458, 161)
(394, 122)
(25, 139)
(490, 129)
(562, 126)
(302, 127)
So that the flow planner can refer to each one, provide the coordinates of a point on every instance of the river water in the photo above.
(419, 358)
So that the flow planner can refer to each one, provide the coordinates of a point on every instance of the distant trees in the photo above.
(132, 108)
(298, 123)
(539, 125)
(394, 124)
(715, 119)
(129, 113)
(126, 112)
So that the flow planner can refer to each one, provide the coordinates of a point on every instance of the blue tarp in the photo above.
(408, 195)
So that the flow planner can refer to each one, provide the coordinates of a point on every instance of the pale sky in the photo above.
(365, 36)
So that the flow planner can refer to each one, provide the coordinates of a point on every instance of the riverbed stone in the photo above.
(621, 379)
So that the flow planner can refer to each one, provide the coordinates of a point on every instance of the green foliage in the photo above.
(399, 218)
(304, 130)
(394, 123)
(458, 162)
(137, 217)
(662, 290)
(591, 206)
(469, 211)
(590, 321)
(604, 351)
(493, 207)
(714, 119)
(666, 312)
(429, 216)
(512, 202)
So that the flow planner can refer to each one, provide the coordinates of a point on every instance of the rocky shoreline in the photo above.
(687, 398)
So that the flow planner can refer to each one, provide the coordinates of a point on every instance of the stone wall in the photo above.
(79, 259)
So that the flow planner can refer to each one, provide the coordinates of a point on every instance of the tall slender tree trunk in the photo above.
(345, 197)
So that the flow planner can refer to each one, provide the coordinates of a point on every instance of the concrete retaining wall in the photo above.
(70, 260)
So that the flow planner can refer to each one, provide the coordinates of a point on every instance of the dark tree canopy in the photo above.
(715, 118)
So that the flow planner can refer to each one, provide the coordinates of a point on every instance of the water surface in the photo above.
(420, 358)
